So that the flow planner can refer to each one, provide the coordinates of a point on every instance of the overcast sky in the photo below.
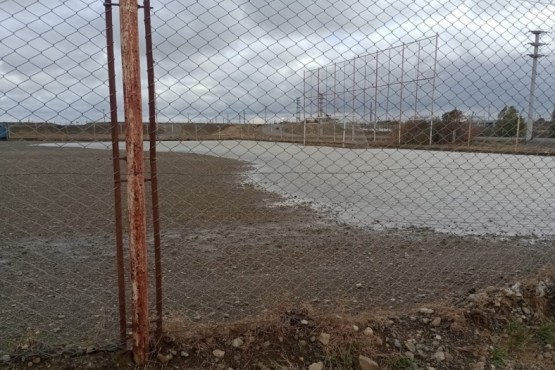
(217, 59)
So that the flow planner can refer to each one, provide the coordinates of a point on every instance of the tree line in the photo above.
(455, 128)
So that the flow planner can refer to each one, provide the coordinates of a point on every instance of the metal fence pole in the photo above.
(152, 129)
(334, 99)
(376, 98)
(417, 81)
(344, 103)
(364, 93)
(304, 108)
(517, 131)
(354, 108)
(433, 90)
(115, 131)
(129, 29)
(470, 128)
(401, 94)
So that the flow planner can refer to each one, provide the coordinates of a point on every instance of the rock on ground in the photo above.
(237, 342)
(316, 366)
(325, 339)
(218, 353)
(367, 363)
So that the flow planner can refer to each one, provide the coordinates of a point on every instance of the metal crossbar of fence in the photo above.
(170, 163)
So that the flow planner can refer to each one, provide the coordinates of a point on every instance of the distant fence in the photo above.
(478, 135)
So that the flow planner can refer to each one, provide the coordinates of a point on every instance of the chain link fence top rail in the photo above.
(348, 155)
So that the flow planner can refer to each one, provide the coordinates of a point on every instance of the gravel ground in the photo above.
(229, 250)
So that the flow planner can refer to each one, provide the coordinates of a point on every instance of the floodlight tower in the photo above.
(535, 56)
(320, 104)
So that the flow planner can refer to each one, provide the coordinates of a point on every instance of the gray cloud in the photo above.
(217, 58)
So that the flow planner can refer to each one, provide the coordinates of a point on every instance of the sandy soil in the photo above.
(229, 251)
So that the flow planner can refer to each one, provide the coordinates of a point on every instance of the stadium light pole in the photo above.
(535, 56)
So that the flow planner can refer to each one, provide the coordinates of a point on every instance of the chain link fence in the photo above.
(346, 156)
(57, 254)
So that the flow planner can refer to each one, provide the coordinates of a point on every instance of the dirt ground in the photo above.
(230, 252)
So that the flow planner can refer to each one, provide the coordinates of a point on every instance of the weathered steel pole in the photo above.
(152, 129)
(434, 91)
(129, 29)
(114, 125)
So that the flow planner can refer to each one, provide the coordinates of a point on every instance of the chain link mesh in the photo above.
(56, 238)
(345, 155)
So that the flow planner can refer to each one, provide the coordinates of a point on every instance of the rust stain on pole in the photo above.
(117, 174)
(129, 30)
(153, 167)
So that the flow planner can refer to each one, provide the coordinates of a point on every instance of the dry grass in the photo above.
(287, 327)
(286, 338)
(275, 337)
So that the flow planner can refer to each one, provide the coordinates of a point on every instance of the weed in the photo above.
(278, 366)
(28, 339)
(519, 336)
(341, 359)
(547, 333)
(400, 363)
(498, 357)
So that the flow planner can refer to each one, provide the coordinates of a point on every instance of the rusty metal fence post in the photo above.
(152, 129)
(129, 29)
(117, 172)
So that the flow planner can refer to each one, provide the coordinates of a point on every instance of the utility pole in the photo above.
(535, 56)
